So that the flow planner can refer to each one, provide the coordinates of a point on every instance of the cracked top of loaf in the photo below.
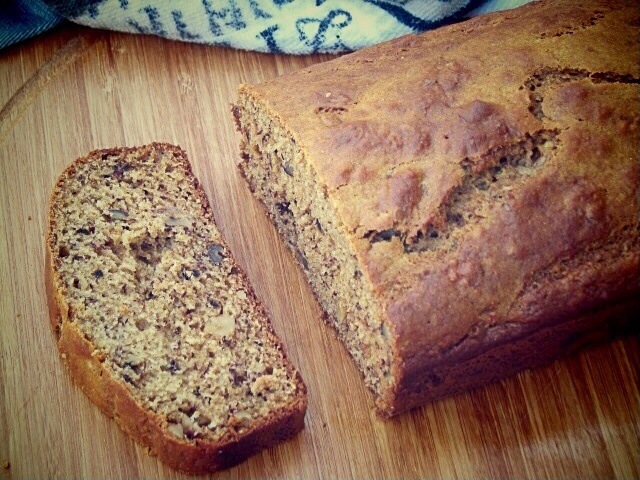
(486, 174)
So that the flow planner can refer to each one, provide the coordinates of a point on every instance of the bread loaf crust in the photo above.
(486, 177)
(114, 399)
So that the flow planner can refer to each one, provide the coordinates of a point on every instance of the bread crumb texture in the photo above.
(151, 284)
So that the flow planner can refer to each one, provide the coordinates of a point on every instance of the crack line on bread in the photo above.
(619, 244)
(484, 177)
(554, 76)
(597, 16)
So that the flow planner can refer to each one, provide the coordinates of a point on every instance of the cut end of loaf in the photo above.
(142, 274)
(280, 176)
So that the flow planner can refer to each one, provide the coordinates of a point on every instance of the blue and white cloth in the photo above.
(277, 26)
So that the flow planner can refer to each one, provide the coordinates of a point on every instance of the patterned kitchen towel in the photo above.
(278, 26)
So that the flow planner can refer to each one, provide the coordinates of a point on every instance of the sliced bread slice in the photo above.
(154, 318)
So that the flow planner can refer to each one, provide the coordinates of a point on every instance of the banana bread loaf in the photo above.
(154, 318)
(464, 202)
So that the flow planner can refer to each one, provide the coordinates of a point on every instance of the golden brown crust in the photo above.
(511, 354)
(487, 175)
(116, 400)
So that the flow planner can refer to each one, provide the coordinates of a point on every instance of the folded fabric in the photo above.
(22, 19)
(277, 26)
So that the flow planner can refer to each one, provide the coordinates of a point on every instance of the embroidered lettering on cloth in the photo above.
(277, 26)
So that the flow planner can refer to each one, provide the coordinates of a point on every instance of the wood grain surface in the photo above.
(75, 90)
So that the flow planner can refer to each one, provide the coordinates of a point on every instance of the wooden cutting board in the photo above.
(74, 90)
